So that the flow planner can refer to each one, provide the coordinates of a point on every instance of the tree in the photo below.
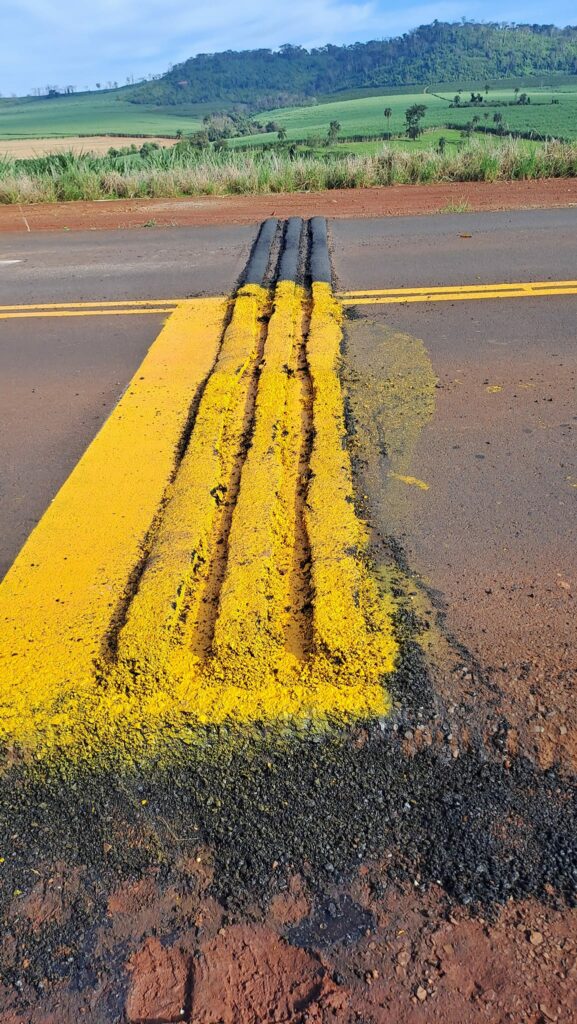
(281, 134)
(413, 117)
(442, 145)
(98, 85)
(457, 99)
(388, 113)
(333, 132)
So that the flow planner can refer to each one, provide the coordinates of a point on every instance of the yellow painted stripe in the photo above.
(250, 629)
(62, 592)
(423, 289)
(86, 312)
(141, 604)
(95, 305)
(449, 293)
(181, 552)
(352, 624)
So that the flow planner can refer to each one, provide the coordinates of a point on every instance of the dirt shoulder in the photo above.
(398, 200)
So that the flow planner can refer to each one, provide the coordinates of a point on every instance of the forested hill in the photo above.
(439, 52)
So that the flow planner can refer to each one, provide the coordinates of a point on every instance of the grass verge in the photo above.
(184, 171)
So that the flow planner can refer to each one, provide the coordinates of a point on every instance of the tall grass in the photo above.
(183, 171)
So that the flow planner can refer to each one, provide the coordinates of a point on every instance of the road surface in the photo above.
(413, 859)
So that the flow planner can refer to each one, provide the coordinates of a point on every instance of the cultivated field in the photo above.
(456, 143)
(90, 114)
(19, 149)
(364, 115)
(110, 112)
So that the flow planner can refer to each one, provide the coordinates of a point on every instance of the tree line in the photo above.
(464, 51)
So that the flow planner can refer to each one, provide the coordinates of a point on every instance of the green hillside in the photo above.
(303, 91)
(441, 52)
(91, 113)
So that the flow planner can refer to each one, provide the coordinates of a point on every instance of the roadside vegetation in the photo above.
(188, 170)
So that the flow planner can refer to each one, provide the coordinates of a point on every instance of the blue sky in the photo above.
(57, 42)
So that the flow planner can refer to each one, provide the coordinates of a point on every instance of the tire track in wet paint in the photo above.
(248, 596)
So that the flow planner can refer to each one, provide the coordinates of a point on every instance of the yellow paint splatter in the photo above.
(413, 481)
(493, 389)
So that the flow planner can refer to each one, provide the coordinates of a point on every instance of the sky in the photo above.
(54, 42)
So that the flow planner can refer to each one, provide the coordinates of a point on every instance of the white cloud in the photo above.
(56, 41)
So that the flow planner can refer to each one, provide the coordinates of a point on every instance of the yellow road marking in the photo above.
(86, 312)
(183, 544)
(62, 592)
(156, 592)
(95, 305)
(130, 307)
(453, 293)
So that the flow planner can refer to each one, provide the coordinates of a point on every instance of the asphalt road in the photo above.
(59, 378)
(494, 533)
(362, 855)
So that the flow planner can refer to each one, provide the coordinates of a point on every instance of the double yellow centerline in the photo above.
(456, 293)
(132, 307)
(359, 297)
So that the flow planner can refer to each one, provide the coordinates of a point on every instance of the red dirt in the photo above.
(421, 962)
(398, 200)
(158, 988)
(247, 973)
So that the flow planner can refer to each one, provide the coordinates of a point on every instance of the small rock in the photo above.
(535, 938)
(404, 957)
(547, 1012)
(421, 994)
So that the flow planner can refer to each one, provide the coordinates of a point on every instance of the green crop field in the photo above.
(109, 112)
(91, 114)
(363, 115)
(428, 140)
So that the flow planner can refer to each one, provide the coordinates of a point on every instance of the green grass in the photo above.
(91, 114)
(428, 140)
(344, 147)
(183, 171)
